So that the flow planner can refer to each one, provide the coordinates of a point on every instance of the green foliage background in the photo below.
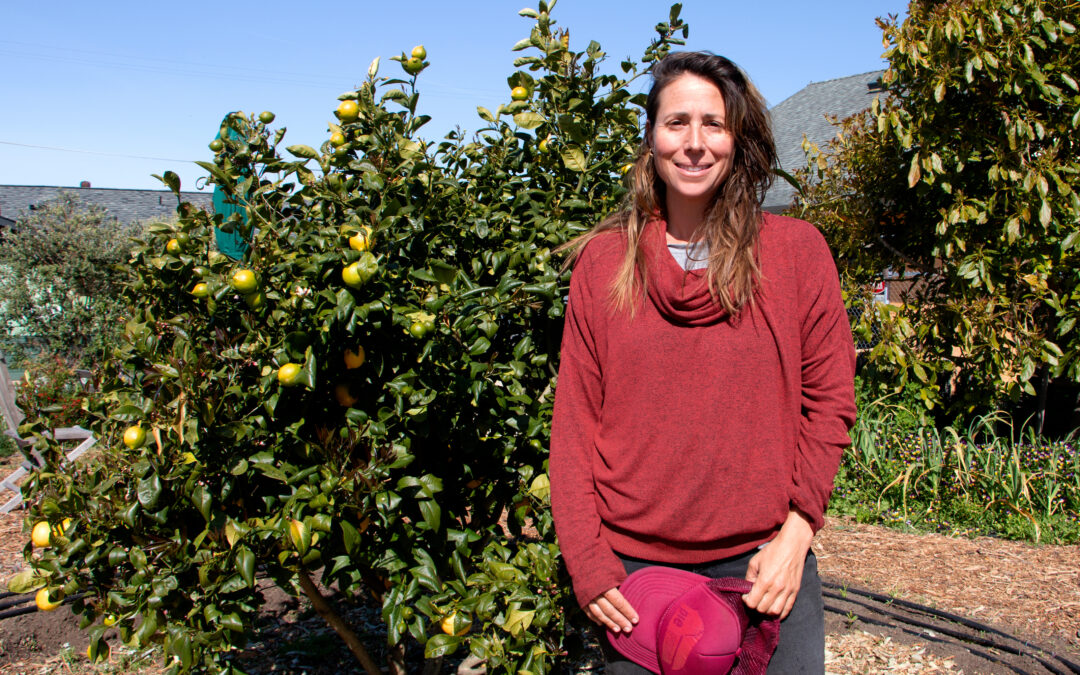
(61, 271)
(967, 174)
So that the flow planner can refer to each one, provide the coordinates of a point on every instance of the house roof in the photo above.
(808, 112)
(127, 206)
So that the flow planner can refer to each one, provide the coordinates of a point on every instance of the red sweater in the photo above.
(682, 436)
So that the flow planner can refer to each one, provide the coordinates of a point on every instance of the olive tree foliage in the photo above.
(965, 173)
(61, 271)
(373, 404)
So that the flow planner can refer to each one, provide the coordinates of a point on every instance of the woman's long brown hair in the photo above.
(733, 218)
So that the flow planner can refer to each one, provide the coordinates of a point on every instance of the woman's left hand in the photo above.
(776, 570)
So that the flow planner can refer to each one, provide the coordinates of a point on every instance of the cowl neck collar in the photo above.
(680, 296)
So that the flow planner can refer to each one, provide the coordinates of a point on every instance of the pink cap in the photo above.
(690, 624)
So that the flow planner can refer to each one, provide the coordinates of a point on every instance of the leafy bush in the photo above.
(51, 390)
(368, 394)
(61, 271)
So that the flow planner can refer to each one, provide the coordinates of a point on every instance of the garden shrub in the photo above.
(367, 395)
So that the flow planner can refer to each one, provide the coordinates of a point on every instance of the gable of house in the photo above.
(808, 112)
(126, 206)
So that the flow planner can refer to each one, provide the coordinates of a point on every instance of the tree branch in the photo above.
(337, 623)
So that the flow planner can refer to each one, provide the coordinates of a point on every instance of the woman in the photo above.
(705, 388)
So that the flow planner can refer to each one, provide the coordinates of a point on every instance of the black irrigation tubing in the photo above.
(25, 597)
(922, 635)
(975, 625)
(19, 611)
(973, 639)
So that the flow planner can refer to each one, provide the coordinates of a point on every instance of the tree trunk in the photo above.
(395, 658)
(1040, 405)
(337, 623)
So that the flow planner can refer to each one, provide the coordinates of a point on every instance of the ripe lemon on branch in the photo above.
(289, 374)
(244, 281)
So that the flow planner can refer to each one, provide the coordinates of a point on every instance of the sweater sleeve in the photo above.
(593, 566)
(828, 375)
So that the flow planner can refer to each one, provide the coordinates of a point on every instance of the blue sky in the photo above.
(114, 91)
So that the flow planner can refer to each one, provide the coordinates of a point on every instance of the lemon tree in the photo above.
(379, 413)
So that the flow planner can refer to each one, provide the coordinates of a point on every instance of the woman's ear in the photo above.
(648, 134)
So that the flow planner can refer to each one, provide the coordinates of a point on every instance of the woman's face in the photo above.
(692, 147)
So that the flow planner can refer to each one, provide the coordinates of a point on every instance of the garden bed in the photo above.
(1032, 592)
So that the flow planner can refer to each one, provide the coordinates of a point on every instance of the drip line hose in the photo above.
(1029, 650)
(923, 636)
(11, 602)
(964, 621)
(19, 611)
(971, 639)
(7, 613)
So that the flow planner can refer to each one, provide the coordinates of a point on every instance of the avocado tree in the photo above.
(966, 174)
(365, 399)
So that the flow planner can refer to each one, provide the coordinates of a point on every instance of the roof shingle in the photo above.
(127, 206)
(808, 112)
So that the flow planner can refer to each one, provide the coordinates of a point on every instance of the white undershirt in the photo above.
(690, 256)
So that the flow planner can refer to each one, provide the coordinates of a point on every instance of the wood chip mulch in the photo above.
(1030, 591)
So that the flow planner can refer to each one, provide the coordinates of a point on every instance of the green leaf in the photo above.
(147, 629)
(25, 581)
(350, 535)
(149, 491)
(485, 114)
(573, 158)
(303, 151)
(128, 413)
(202, 500)
(1045, 214)
(245, 565)
(914, 172)
(528, 119)
(171, 180)
(441, 645)
(518, 621)
(431, 513)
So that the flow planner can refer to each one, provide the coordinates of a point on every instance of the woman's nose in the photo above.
(695, 139)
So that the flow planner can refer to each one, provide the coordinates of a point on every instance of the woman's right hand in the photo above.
(612, 611)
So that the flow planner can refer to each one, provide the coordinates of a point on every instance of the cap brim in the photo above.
(649, 591)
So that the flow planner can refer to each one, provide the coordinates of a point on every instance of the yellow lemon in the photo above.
(201, 290)
(40, 535)
(44, 603)
(244, 281)
(354, 359)
(361, 241)
(134, 436)
(344, 397)
(519, 93)
(456, 624)
(348, 111)
(289, 374)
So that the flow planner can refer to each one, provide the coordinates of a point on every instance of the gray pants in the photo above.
(802, 633)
